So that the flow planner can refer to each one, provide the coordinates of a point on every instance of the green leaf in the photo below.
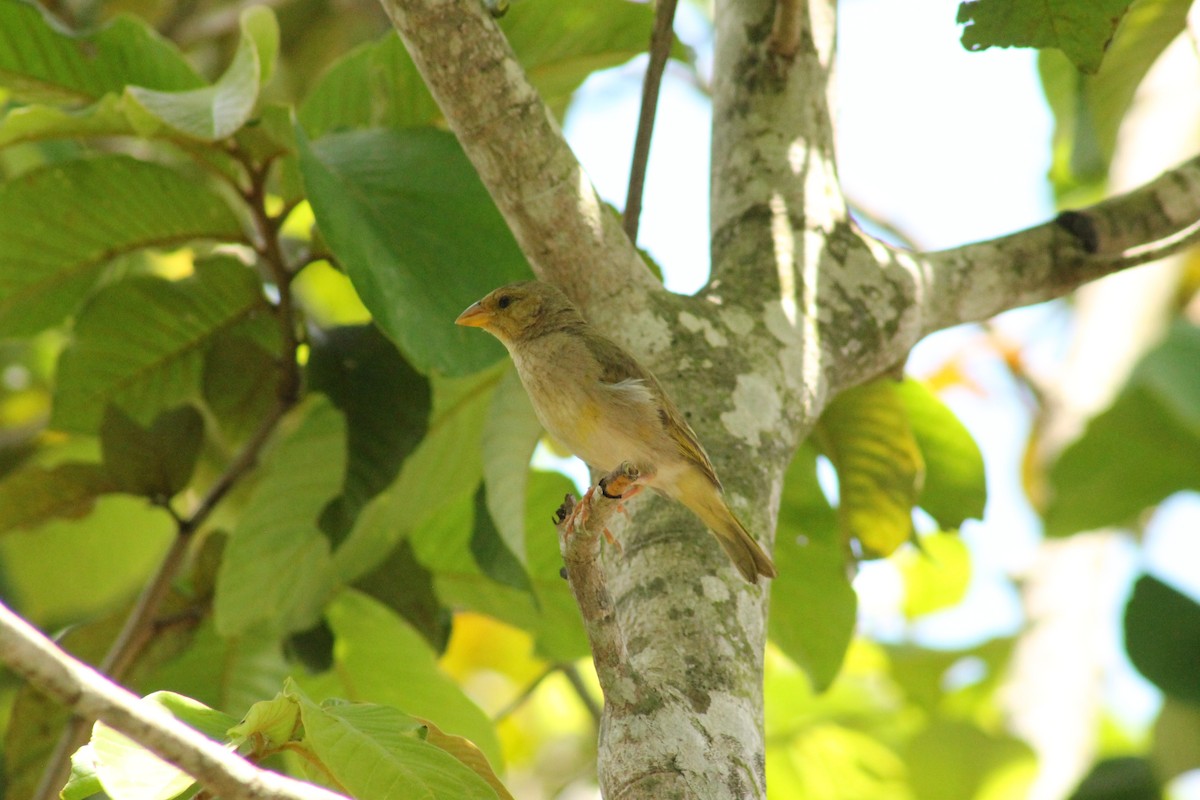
(83, 782)
(561, 44)
(106, 117)
(551, 614)
(67, 570)
(1088, 109)
(379, 752)
(510, 434)
(404, 585)
(445, 467)
(386, 404)
(813, 606)
(936, 574)
(975, 755)
(270, 723)
(60, 225)
(491, 552)
(418, 235)
(33, 494)
(866, 433)
(1162, 637)
(41, 61)
(229, 674)
(381, 658)
(140, 344)
(1120, 778)
(277, 573)
(955, 487)
(154, 462)
(130, 772)
(376, 85)
(215, 112)
(1082, 29)
(1144, 448)
(240, 384)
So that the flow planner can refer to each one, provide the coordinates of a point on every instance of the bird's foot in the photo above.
(579, 513)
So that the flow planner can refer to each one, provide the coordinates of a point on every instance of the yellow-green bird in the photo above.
(597, 400)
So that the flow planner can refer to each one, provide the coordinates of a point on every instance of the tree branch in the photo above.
(979, 280)
(517, 148)
(660, 50)
(580, 529)
(73, 683)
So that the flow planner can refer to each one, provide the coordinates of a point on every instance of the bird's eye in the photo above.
(504, 301)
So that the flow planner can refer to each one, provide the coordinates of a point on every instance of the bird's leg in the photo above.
(579, 513)
(625, 482)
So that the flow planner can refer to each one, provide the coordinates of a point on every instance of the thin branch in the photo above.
(30, 654)
(571, 673)
(660, 49)
(517, 147)
(978, 280)
(525, 694)
(580, 529)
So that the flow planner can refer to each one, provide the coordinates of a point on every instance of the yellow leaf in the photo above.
(466, 752)
(866, 434)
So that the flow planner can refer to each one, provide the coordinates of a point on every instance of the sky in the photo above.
(950, 147)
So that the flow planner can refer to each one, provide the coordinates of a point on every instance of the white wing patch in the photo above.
(632, 391)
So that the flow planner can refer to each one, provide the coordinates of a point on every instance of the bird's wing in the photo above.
(637, 385)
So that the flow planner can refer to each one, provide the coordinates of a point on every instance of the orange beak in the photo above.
(476, 316)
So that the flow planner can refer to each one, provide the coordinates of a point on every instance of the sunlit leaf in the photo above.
(1082, 29)
(951, 759)
(217, 111)
(468, 753)
(936, 575)
(955, 486)
(510, 434)
(270, 723)
(60, 225)
(418, 235)
(128, 771)
(866, 433)
(380, 658)
(380, 752)
(813, 606)
(277, 573)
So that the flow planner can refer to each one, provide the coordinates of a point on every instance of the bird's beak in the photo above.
(476, 316)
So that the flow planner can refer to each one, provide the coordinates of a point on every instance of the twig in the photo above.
(784, 39)
(571, 673)
(222, 772)
(660, 48)
(579, 534)
(525, 694)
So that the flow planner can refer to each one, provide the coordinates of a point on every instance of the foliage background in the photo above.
(319, 565)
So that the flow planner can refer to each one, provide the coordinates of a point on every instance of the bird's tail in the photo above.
(745, 553)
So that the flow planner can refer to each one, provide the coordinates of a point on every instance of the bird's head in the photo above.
(521, 311)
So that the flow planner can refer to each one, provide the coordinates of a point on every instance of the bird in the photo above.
(597, 400)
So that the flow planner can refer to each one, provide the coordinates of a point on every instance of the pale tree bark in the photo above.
(800, 306)
(85, 691)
